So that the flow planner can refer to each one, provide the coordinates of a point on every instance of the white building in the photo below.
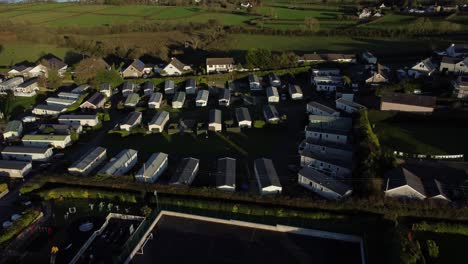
(169, 87)
(178, 100)
(348, 106)
(274, 80)
(272, 94)
(226, 174)
(133, 119)
(13, 129)
(271, 114)
(267, 179)
(11, 83)
(158, 122)
(106, 89)
(175, 67)
(243, 117)
(322, 184)
(215, 122)
(127, 88)
(328, 128)
(48, 110)
(56, 141)
(60, 102)
(70, 96)
(25, 153)
(254, 83)
(88, 162)
(153, 168)
(81, 89)
(214, 65)
(422, 68)
(315, 108)
(190, 86)
(155, 100)
(14, 169)
(295, 92)
(330, 165)
(120, 164)
(84, 120)
(148, 88)
(202, 98)
(224, 97)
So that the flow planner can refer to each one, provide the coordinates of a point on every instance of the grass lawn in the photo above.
(19, 105)
(17, 52)
(400, 132)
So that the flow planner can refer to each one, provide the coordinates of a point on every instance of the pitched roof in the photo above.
(219, 61)
(224, 94)
(152, 165)
(253, 78)
(179, 97)
(295, 89)
(56, 63)
(203, 95)
(131, 118)
(226, 172)
(132, 99)
(159, 118)
(128, 86)
(190, 83)
(147, 85)
(138, 64)
(350, 103)
(215, 116)
(13, 126)
(242, 114)
(272, 91)
(450, 60)
(324, 180)
(400, 177)
(28, 83)
(266, 173)
(409, 99)
(24, 149)
(270, 111)
(177, 64)
(96, 98)
(118, 161)
(45, 137)
(13, 165)
(183, 173)
(88, 158)
(155, 97)
(322, 107)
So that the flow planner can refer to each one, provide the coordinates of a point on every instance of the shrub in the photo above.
(3, 187)
(24, 221)
(259, 123)
(432, 248)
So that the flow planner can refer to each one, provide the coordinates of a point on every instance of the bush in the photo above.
(259, 123)
(80, 193)
(448, 228)
(432, 248)
(24, 221)
(3, 187)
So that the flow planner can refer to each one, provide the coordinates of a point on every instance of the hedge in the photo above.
(447, 228)
(80, 193)
(24, 221)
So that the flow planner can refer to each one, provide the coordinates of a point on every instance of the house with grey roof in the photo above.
(48, 110)
(274, 80)
(327, 148)
(153, 168)
(56, 141)
(202, 98)
(70, 96)
(134, 70)
(267, 178)
(226, 174)
(190, 86)
(121, 163)
(15, 169)
(323, 185)
(178, 100)
(132, 120)
(132, 100)
(169, 87)
(214, 65)
(158, 122)
(315, 108)
(27, 153)
(148, 87)
(423, 68)
(272, 94)
(348, 106)
(407, 103)
(175, 67)
(186, 172)
(58, 101)
(460, 86)
(128, 88)
(215, 122)
(155, 100)
(330, 165)
(271, 114)
(96, 101)
(88, 162)
(81, 89)
(14, 128)
(243, 117)
(27, 89)
(224, 97)
(106, 89)
(254, 83)
(10, 83)
(84, 120)
(295, 92)
(328, 128)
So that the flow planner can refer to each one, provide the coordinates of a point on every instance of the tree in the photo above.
(312, 24)
(260, 58)
(432, 248)
(85, 70)
(112, 77)
(54, 80)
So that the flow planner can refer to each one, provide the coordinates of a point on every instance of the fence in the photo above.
(427, 156)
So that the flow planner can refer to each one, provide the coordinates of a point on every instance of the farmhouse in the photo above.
(70, 96)
(202, 98)
(175, 67)
(267, 179)
(178, 100)
(254, 83)
(14, 169)
(330, 165)
(148, 88)
(190, 86)
(224, 97)
(274, 79)
(325, 186)
(27, 88)
(48, 110)
(315, 108)
(96, 101)
(158, 122)
(57, 101)
(26, 153)
(407, 103)
(132, 100)
(135, 70)
(106, 89)
(272, 94)
(454, 65)
(84, 120)
(81, 89)
(11, 83)
(56, 141)
(243, 117)
(378, 76)
(214, 123)
(13, 129)
(271, 114)
(214, 65)
(328, 128)
(88, 162)
(127, 88)
(155, 100)
(226, 174)
(460, 86)
(120, 164)
(153, 168)
(169, 87)
(186, 172)
(132, 120)
(348, 106)
(295, 92)
(422, 68)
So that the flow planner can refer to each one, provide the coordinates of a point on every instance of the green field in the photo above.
(17, 52)
(403, 132)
